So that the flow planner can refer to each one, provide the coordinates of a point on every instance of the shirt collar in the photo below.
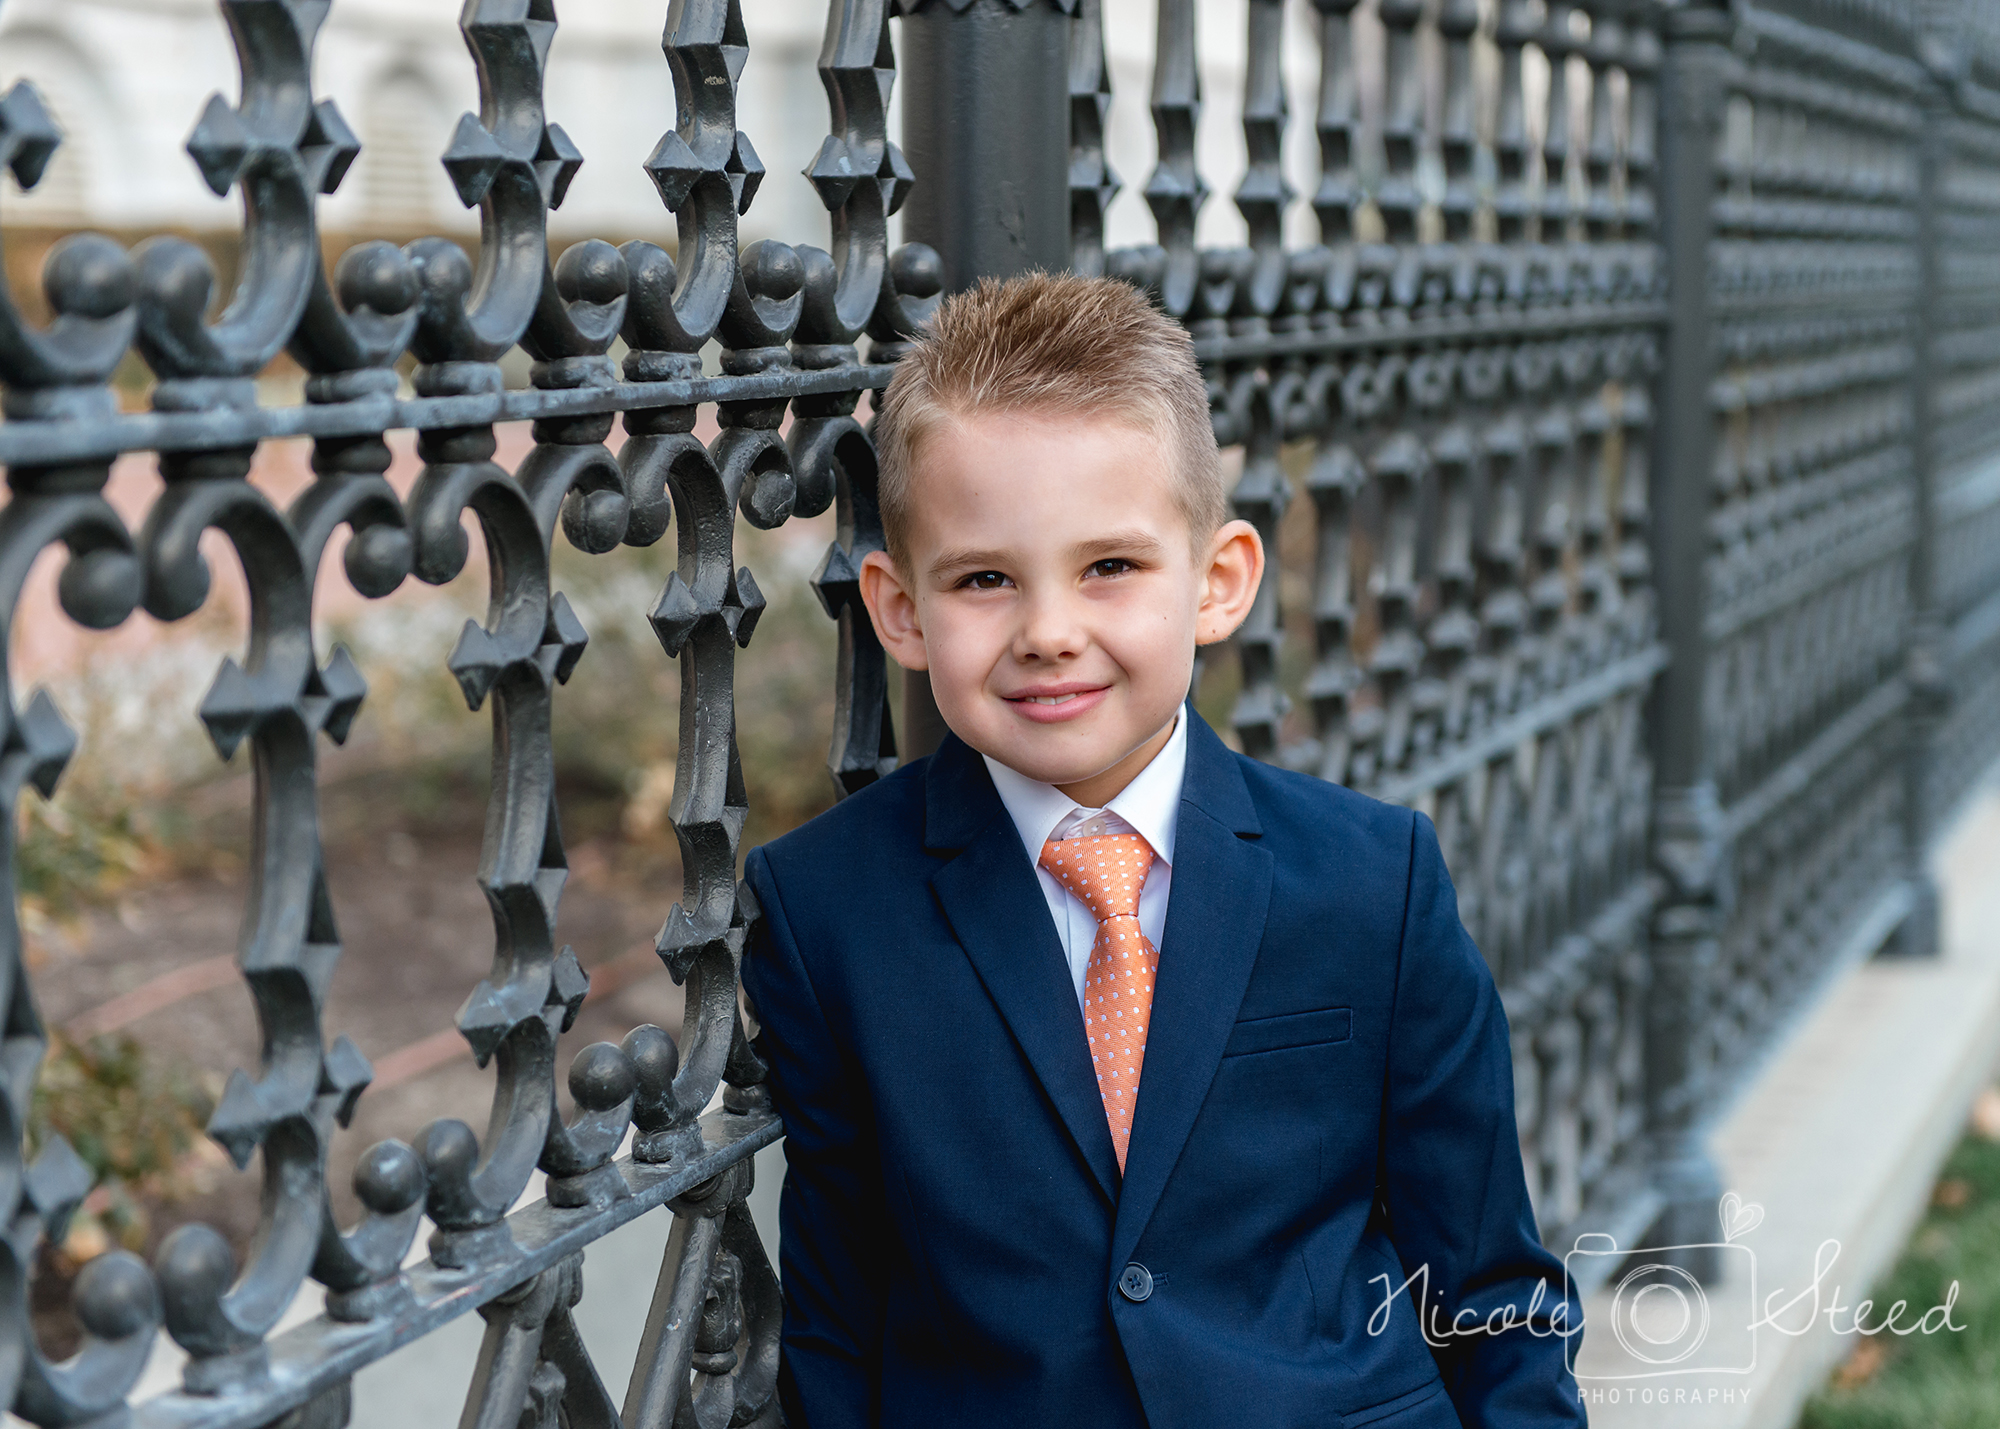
(1151, 803)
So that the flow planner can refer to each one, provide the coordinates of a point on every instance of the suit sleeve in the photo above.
(830, 1372)
(1456, 1197)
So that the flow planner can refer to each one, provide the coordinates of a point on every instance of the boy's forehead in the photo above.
(1067, 481)
(1065, 463)
(1121, 430)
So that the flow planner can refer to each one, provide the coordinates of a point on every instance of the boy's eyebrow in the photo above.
(1135, 542)
(967, 558)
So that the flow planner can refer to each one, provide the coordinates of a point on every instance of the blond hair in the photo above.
(1058, 344)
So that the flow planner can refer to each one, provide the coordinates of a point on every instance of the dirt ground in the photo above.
(417, 938)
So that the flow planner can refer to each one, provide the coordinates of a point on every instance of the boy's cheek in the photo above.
(959, 659)
(962, 629)
(1158, 601)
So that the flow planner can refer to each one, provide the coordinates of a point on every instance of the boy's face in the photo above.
(1055, 593)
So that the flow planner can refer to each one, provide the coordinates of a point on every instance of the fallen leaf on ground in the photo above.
(87, 1239)
(1869, 1355)
(1986, 1114)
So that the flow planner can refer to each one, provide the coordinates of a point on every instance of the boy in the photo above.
(1125, 1080)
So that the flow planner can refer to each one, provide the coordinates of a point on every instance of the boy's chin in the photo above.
(1057, 772)
(1050, 754)
(1050, 758)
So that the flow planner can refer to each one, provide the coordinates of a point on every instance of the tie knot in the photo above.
(1106, 871)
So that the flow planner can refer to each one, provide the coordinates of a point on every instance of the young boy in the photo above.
(1125, 1080)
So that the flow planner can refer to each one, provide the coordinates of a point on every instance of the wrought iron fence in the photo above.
(1632, 421)
(1813, 297)
(1822, 501)
(1959, 423)
(1465, 359)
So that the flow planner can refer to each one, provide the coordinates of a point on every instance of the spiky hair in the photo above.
(1057, 344)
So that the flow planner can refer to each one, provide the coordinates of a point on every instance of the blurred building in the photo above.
(126, 79)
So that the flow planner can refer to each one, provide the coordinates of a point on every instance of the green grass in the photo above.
(1946, 1380)
(75, 852)
(132, 1116)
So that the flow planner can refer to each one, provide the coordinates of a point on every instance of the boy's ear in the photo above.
(1229, 582)
(892, 610)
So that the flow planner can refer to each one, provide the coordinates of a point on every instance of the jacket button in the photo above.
(1136, 1283)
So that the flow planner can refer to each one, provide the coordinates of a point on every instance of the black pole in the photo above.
(986, 131)
(1925, 663)
(1690, 848)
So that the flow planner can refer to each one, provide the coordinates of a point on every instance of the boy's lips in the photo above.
(1052, 704)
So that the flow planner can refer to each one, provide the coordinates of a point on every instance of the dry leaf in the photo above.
(1869, 1355)
(87, 1239)
(1986, 1114)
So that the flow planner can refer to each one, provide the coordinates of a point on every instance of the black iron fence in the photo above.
(1634, 420)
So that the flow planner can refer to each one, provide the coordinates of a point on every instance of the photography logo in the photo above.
(1662, 1319)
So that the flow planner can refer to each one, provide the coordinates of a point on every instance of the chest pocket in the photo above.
(1291, 1029)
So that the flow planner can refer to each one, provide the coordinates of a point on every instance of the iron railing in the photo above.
(1627, 444)
(1465, 359)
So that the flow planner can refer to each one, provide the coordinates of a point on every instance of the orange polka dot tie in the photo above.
(1106, 873)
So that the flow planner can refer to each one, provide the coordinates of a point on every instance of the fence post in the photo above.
(1925, 664)
(986, 132)
(1690, 851)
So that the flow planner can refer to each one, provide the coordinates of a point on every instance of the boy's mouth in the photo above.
(1057, 702)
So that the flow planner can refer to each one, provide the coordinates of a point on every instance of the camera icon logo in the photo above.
(1661, 1319)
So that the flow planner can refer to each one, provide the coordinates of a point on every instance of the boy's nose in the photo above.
(1050, 630)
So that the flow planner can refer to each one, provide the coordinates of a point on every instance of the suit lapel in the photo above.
(1215, 926)
(994, 902)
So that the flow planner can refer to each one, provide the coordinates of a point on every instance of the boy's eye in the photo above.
(1115, 566)
(984, 580)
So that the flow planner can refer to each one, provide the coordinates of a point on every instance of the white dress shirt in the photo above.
(1150, 806)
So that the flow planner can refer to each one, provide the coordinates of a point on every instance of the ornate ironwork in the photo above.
(787, 320)
(1640, 398)
(1960, 614)
(1479, 637)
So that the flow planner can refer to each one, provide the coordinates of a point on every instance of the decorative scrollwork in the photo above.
(116, 1301)
(281, 151)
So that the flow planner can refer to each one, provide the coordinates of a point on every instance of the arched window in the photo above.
(404, 128)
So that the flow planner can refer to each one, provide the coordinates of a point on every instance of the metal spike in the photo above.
(28, 135)
(219, 145)
(473, 159)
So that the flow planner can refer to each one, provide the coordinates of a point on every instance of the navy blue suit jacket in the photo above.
(1327, 1105)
